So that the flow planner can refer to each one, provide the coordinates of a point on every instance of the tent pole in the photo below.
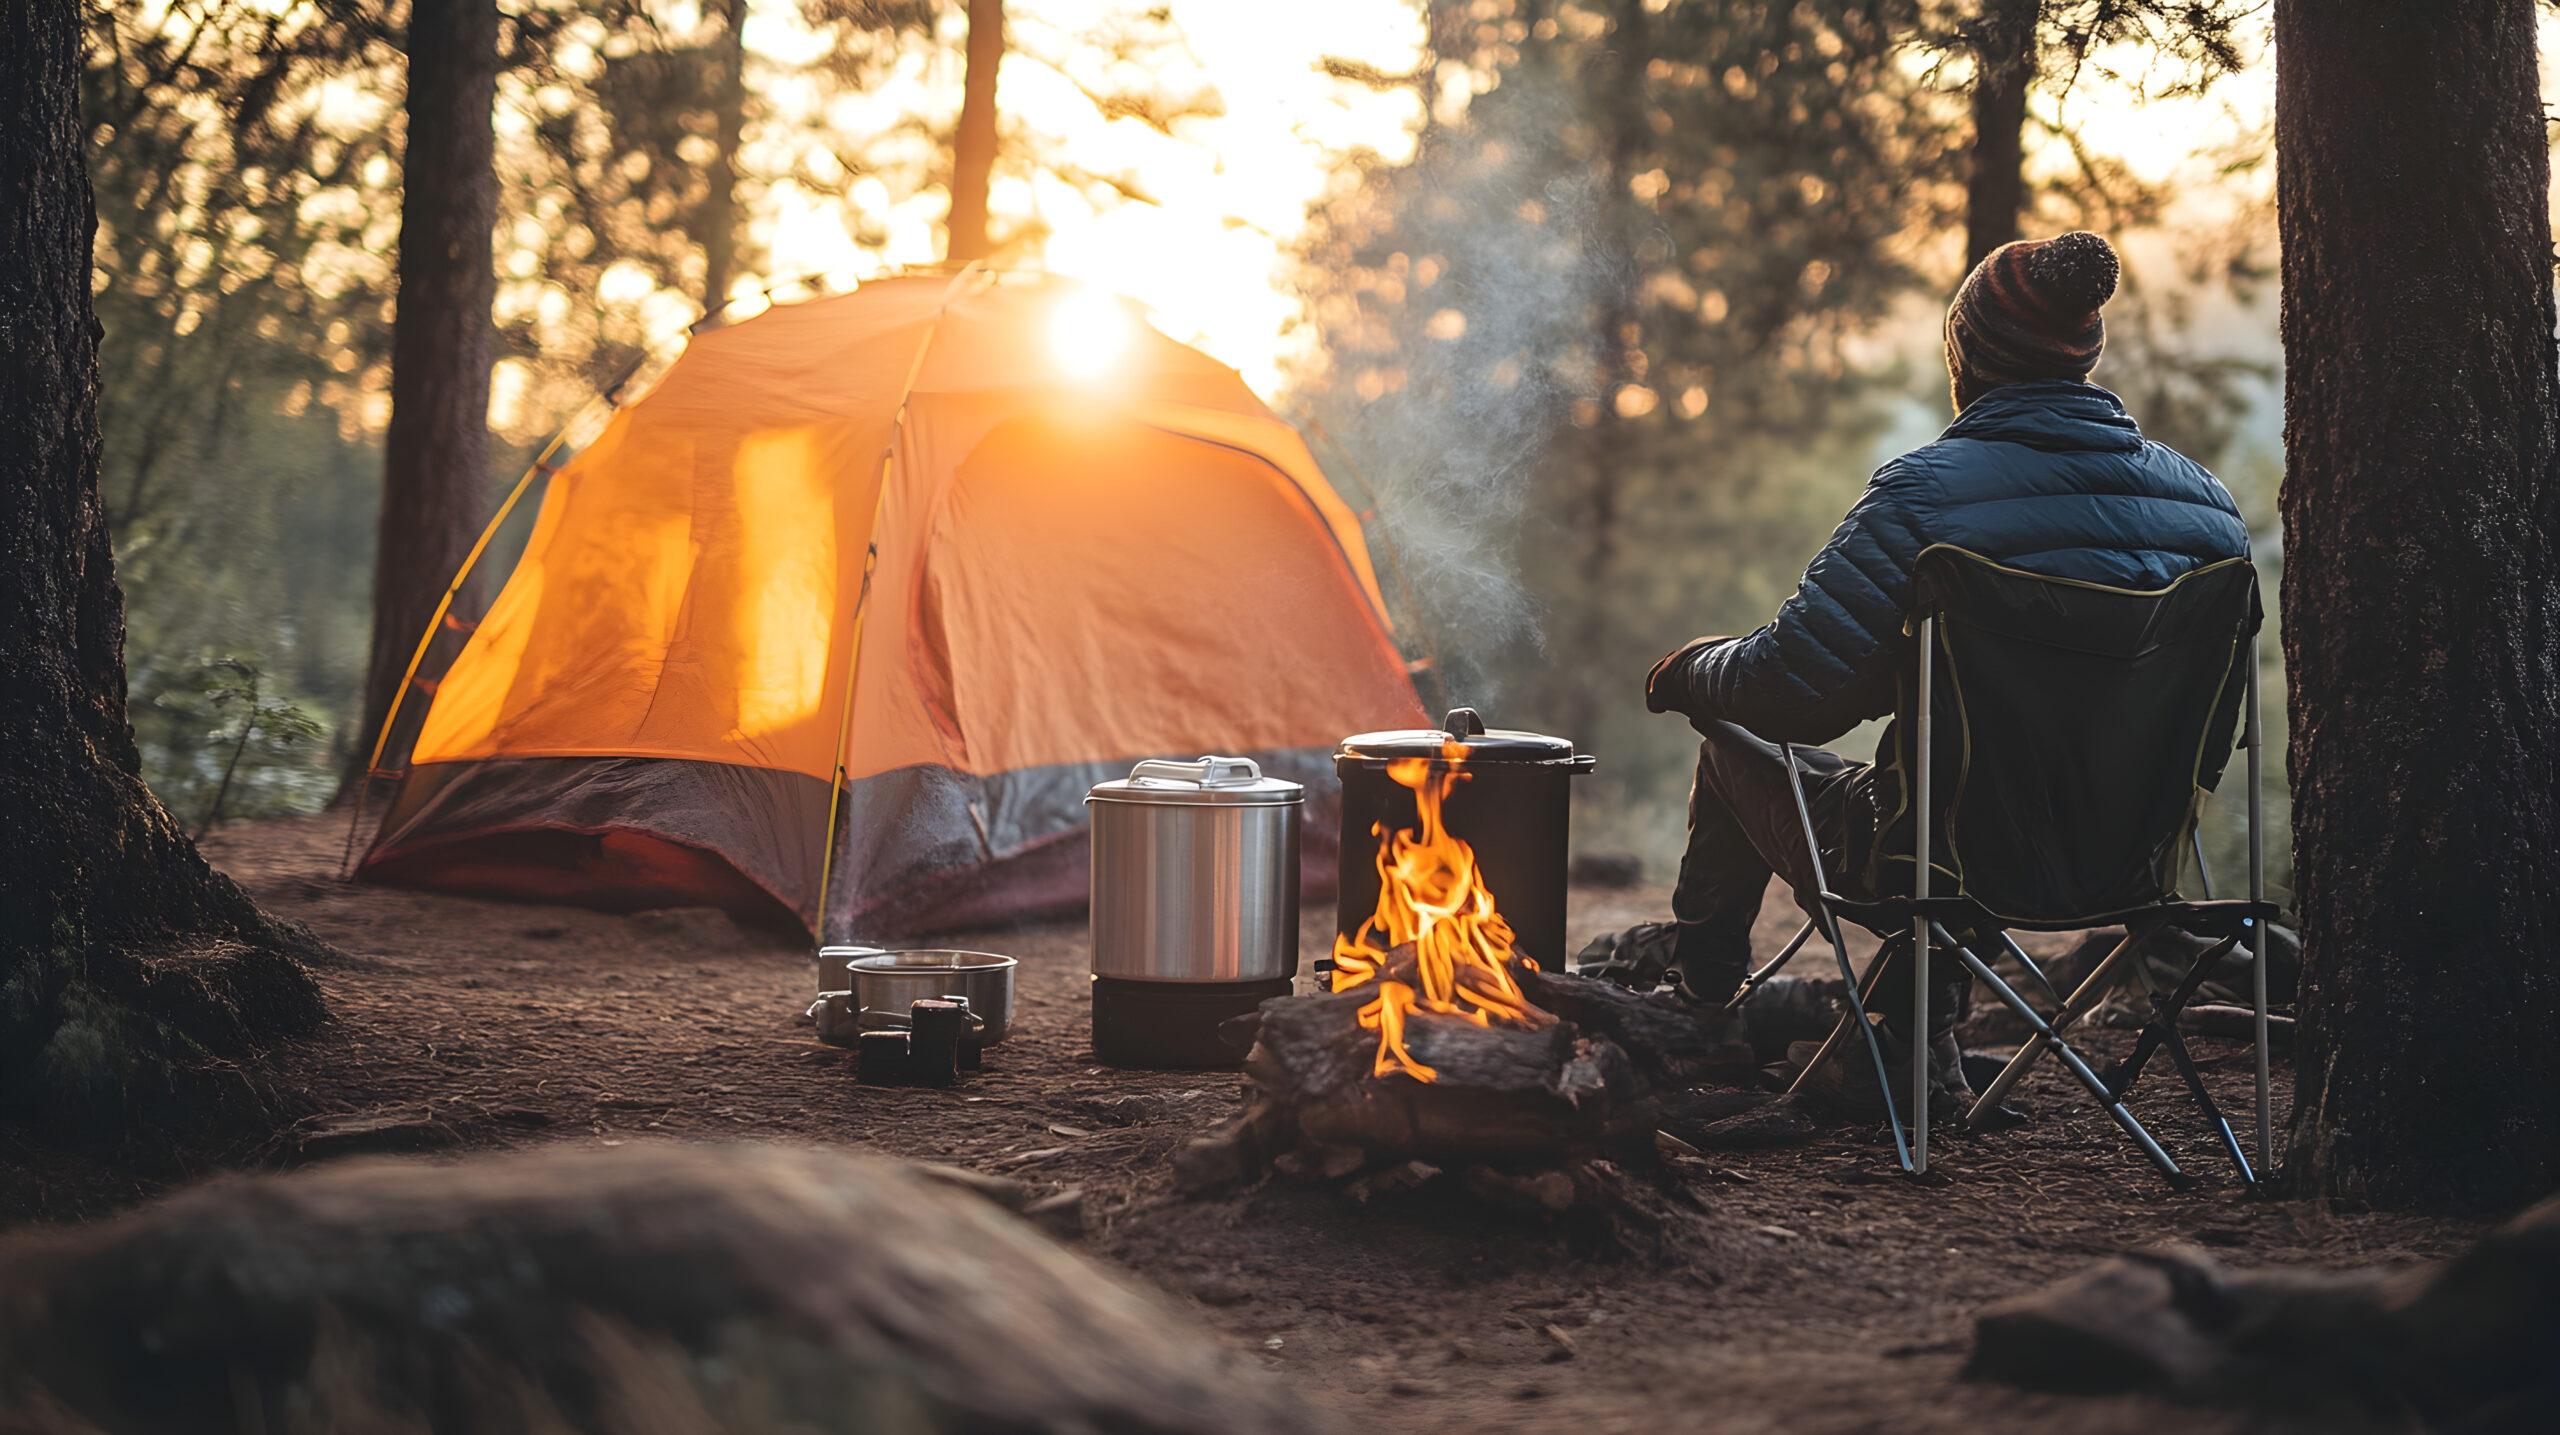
(609, 396)
(373, 763)
(862, 601)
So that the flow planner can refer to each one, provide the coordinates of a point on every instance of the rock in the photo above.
(2464, 1344)
(2477, 1334)
(2114, 1327)
(638, 1288)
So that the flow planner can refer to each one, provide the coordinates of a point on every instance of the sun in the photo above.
(1089, 333)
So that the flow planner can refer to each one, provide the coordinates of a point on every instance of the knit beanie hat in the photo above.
(2029, 310)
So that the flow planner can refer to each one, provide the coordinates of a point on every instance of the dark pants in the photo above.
(1743, 827)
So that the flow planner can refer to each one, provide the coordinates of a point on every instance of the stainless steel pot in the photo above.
(1195, 906)
(831, 966)
(1195, 873)
(886, 984)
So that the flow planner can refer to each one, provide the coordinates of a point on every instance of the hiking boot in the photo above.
(1787, 1010)
(1638, 958)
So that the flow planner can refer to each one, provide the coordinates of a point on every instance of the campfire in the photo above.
(1440, 1049)
(1436, 943)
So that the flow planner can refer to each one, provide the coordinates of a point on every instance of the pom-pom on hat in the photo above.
(2029, 310)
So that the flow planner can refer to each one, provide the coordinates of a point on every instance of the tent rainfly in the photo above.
(843, 617)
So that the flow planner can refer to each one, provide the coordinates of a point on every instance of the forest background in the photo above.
(1602, 360)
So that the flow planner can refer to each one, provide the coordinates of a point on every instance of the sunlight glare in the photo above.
(1089, 332)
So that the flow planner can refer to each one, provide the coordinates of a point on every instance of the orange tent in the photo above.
(973, 543)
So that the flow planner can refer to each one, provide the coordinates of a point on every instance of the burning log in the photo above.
(1497, 1093)
(1548, 1095)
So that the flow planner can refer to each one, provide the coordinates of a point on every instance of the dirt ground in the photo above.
(1813, 1291)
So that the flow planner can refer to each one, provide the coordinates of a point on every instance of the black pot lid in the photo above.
(1483, 744)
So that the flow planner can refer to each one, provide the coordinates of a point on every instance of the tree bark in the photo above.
(436, 455)
(130, 972)
(2004, 70)
(2420, 603)
(719, 221)
(973, 148)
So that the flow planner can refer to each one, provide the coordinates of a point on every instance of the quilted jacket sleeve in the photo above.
(1827, 663)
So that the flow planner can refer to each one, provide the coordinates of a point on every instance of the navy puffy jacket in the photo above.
(2051, 477)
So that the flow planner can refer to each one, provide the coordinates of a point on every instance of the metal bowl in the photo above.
(885, 984)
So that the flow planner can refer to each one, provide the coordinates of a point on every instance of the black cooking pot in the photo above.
(1515, 809)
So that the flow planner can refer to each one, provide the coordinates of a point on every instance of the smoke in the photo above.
(1479, 274)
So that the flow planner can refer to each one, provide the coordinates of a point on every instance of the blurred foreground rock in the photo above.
(2470, 1345)
(655, 1288)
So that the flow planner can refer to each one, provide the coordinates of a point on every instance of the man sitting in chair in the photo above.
(2041, 470)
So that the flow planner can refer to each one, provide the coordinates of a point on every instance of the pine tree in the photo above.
(2421, 599)
(133, 977)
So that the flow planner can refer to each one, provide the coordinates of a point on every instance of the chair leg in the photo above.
(1840, 953)
(2019, 955)
(2186, 1064)
(2079, 1069)
(2084, 997)
(1875, 1048)
(2164, 1019)
(2163, 1032)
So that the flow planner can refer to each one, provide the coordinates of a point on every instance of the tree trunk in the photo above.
(132, 972)
(1608, 446)
(2004, 69)
(973, 149)
(719, 223)
(436, 455)
(2420, 602)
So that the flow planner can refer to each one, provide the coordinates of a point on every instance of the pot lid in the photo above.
(1483, 744)
(1209, 782)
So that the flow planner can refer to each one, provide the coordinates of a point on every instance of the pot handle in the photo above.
(1585, 761)
(1462, 723)
(1207, 772)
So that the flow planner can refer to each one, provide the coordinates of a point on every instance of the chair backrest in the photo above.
(2077, 728)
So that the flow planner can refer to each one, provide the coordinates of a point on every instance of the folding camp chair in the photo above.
(2081, 726)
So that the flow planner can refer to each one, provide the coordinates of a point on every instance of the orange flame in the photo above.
(1431, 896)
